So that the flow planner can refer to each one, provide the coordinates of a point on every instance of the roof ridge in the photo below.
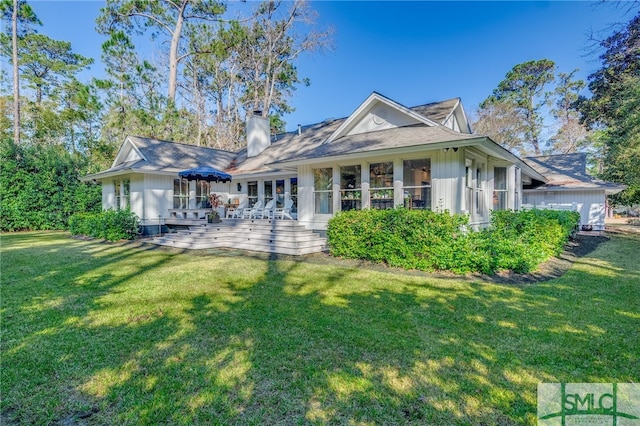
(181, 143)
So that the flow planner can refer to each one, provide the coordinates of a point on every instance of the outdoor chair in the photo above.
(236, 212)
(284, 212)
(263, 212)
(248, 213)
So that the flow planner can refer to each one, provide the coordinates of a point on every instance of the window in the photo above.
(126, 193)
(203, 189)
(252, 192)
(323, 190)
(280, 193)
(517, 188)
(381, 185)
(294, 194)
(268, 191)
(499, 188)
(478, 191)
(350, 187)
(117, 196)
(468, 186)
(180, 194)
(417, 183)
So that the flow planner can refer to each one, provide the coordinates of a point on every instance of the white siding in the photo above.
(158, 198)
(590, 204)
(107, 194)
(447, 180)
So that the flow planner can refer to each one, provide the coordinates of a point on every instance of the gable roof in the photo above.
(139, 154)
(569, 172)
(323, 139)
(374, 105)
(395, 138)
(406, 128)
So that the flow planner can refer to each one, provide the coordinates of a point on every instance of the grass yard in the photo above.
(98, 333)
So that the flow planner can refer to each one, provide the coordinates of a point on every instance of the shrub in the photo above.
(40, 187)
(412, 239)
(111, 225)
(426, 240)
(520, 241)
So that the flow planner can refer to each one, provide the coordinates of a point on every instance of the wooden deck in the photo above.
(264, 235)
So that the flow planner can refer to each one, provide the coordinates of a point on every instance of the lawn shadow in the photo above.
(300, 343)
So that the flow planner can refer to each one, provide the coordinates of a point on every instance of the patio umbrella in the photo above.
(205, 173)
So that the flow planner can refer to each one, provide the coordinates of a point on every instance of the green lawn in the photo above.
(99, 333)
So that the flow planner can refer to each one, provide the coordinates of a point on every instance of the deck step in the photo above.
(271, 236)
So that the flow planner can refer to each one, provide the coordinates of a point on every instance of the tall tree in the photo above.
(161, 17)
(524, 89)
(502, 122)
(270, 49)
(620, 59)
(571, 134)
(614, 108)
(21, 13)
(47, 63)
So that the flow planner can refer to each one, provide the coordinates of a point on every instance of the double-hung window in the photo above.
(252, 192)
(117, 194)
(499, 188)
(126, 194)
(268, 191)
(203, 188)
(381, 185)
(417, 183)
(350, 187)
(323, 190)
(180, 194)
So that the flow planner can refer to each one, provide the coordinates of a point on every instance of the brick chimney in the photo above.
(258, 134)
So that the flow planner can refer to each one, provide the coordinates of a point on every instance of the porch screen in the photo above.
(252, 192)
(268, 191)
(499, 188)
(280, 193)
(294, 194)
(350, 187)
(180, 194)
(417, 183)
(381, 185)
(323, 190)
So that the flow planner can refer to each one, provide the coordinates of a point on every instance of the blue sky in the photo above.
(412, 52)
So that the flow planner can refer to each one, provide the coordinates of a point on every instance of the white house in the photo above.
(383, 155)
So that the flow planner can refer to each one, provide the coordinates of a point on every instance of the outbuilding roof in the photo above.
(569, 172)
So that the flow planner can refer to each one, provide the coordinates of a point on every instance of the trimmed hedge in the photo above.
(111, 225)
(426, 240)
(40, 187)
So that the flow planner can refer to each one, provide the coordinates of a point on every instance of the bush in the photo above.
(40, 187)
(426, 240)
(520, 241)
(111, 225)
(412, 239)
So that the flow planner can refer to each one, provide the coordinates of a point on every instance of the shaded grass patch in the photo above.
(133, 334)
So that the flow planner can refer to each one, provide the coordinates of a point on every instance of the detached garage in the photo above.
(569, 187)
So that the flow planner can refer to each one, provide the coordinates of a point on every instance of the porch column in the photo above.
(398, 179)
(364, 178)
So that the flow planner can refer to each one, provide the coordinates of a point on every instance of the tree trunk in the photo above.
(16, 77)
(173, 53)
